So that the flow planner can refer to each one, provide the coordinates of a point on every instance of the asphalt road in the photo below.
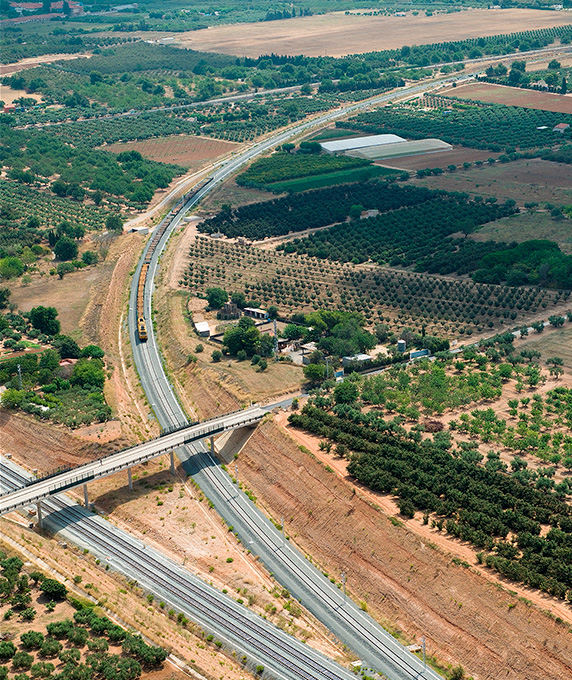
(377, 648)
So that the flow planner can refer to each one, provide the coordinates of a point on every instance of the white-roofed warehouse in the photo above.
(343, 145)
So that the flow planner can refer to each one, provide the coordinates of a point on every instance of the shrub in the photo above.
(52, 588)
(7, 650)
(216, 355)
(22, 660)
(32, 639)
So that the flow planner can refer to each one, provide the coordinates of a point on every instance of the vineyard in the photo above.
(302, 284)
(494, 127)
(359, 174)
(283, 166)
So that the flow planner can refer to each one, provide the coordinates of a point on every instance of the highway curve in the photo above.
(377, 648)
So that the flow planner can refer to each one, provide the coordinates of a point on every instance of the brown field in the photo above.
(514, 96)
(524, 181)
(184, 150)
(336, 34)
(441, 159)
(525, 227)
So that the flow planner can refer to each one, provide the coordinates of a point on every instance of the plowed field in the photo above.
(182, 150)
(514, 96)
(337, 34)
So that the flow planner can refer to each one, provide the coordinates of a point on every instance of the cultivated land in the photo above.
(523, 180)
(185, 150)
(457, 156)
(402, 577)
(513, 96)
(337, 34)
(526, 227)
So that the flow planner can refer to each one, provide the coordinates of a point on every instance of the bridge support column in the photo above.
(130, 478)
(85, 497)
(172, 454)
(212, 445)
(39, 511)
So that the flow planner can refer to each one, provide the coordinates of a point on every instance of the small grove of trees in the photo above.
(246, 338)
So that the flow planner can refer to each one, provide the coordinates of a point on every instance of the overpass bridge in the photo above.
(37, 489)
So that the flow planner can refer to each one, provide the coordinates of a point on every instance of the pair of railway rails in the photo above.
(156, 239)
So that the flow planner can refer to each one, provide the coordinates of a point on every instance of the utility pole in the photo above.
(327, 368)
(424, 661)
(20, 376)
(344, 585)
(237, 482)
(283, 534)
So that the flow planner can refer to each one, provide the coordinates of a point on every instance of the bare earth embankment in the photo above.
(401, 577)
(338, 34)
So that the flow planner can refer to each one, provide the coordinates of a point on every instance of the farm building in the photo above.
(561, 127)
(202, 328)
(344, 145)
(401, 148)
(255, 313)
(356, 359)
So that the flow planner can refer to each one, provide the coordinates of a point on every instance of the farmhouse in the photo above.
(255, 313)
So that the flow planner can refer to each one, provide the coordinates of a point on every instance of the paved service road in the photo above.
(377, 648)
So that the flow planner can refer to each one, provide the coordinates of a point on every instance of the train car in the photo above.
(142, 329)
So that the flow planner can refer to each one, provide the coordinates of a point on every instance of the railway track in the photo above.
(292, 657)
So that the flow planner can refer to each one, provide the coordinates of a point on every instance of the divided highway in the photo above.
(377, 648)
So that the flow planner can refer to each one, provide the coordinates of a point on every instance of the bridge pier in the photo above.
(85, 497)
(130, 478)
(39, 512)
(172, 455)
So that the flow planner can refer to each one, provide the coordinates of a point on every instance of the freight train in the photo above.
(157, 236)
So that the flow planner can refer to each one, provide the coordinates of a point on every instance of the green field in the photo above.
(527, 226)
(330, 179)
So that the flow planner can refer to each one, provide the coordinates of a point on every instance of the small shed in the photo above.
(202, 328)
(356, 359)
(255, 313)
(560, 128)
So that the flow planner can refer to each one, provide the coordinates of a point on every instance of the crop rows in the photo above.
(26, 202)
(306, 284)
(493, 127)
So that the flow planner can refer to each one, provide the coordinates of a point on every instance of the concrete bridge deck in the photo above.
(127, 458)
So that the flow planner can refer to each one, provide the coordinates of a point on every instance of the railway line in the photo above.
(155, 572)
(377, 648)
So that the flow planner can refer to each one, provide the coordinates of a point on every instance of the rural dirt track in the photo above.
(337, 34)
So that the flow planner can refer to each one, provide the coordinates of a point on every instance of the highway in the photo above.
(122, 460)
(232, 623)
(377, 648)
